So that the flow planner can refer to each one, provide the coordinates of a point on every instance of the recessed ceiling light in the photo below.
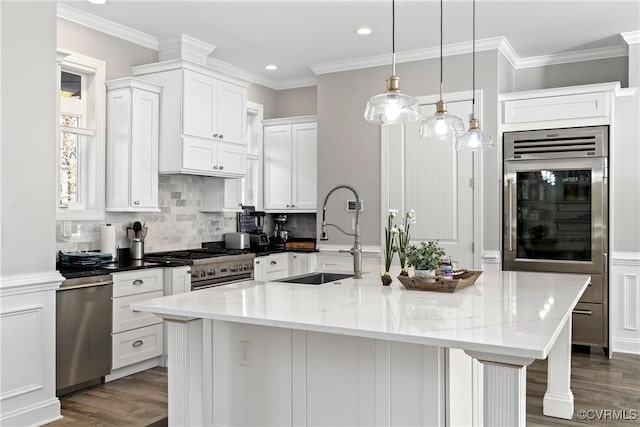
(271, 67)
(363, 31)
(97, 1)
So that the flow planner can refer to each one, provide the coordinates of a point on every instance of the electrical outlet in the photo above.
(246, 353)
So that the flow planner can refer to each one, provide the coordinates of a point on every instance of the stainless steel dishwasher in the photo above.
(83, 332)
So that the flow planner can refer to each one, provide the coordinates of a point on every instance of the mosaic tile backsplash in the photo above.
(179, 225)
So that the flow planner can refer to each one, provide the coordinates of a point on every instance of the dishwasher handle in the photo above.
(85, 285)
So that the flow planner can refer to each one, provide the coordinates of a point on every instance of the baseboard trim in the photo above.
(133, 369)
(623, 345)
(39, 414)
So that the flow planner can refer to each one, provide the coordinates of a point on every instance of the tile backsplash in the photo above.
(179, 225)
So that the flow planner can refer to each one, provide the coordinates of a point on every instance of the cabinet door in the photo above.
(177, 280)
(277, 167)
(144, 149)
(233, 193)
(199, 105)
(304, 165)
(199, 154)
(258, 268)
(232, 158)
(118, 144)
(232, 112)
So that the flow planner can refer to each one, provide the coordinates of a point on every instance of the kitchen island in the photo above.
(353, 352)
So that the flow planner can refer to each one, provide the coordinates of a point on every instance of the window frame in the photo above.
(91, 162)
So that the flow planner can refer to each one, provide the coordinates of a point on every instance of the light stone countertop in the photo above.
(508, 313)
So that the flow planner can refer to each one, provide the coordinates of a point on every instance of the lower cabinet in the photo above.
(271, 267)
(137, 337)
(301, 263)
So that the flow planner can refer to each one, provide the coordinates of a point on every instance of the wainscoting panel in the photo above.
(624, 312)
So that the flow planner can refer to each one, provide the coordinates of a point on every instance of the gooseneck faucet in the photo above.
(356, 250)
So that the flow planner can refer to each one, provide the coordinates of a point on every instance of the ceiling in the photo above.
(299, 34)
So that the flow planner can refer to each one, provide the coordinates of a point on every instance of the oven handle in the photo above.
(509, 231)
(195, 286)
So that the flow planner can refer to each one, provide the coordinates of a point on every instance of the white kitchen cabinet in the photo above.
(203, 119)
(137, 337)
(290, 164)
(271, 267)
(177, 280)
(301, 263)
(132, 145)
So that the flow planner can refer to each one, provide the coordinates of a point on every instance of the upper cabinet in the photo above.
(203, 119)
(132, 145)
(290, 164)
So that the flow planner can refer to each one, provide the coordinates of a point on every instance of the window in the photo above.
(81, 137)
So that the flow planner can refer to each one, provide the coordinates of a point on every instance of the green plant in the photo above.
(426, 256)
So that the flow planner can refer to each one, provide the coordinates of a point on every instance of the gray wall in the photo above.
(301, 101)
(265, 96)
(120, 55)
(28, 128)
(349, 147)
(573, 74)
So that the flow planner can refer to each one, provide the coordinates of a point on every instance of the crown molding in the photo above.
(408, 56)
(108, 27)
(578, 56)
(226, 68)
(631, 37)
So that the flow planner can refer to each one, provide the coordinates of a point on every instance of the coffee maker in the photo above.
(280, 234)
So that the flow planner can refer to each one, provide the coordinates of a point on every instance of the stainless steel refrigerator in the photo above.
(556, 214)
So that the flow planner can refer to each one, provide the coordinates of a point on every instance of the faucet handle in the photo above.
(345, 251)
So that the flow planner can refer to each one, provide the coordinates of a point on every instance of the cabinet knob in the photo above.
(221, 136)
(221, 167)
(288, 206)
(137, 202)
(215, 167)
(293, 206)
(215, 135)
(257, 262)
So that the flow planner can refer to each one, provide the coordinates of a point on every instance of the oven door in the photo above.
(210, 283)
(555, 215)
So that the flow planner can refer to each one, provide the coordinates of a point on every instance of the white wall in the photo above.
(28, 180)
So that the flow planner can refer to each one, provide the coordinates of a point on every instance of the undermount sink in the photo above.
(316, 278)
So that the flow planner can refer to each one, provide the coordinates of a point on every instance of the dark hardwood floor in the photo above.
(599, 385)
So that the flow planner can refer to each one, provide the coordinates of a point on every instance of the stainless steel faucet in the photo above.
(356, 250)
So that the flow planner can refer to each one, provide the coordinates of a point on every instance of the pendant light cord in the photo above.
(473, 67)
(393, 37)
(441, 49)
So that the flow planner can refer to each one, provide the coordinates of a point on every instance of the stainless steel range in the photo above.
(211, 267)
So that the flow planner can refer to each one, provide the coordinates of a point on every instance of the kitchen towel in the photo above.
(108, 240)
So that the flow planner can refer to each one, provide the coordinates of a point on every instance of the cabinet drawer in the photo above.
(125, 319)
(137, 345)
(276, 266)
(595, 291)
(137, 282)
(588, 324)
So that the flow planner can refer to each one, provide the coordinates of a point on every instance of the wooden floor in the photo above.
(597, 383)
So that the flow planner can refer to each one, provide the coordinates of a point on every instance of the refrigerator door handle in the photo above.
(510, 201)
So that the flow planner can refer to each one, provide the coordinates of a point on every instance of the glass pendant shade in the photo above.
(474, 139)
(442, 126)
(392, 107)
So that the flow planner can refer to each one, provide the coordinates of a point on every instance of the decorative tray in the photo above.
(441, 283)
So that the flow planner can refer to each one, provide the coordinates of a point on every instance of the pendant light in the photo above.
(442, 126)
(474, 139)
(392, 106)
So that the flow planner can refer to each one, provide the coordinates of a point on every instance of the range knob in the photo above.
(211, 272)
(248, 267)
(194, 274)
(203, 273)
(234, 268)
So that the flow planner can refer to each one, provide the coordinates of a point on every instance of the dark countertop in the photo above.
(72, 272)
(279, 251)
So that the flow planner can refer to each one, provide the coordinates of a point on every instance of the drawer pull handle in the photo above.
(138, 282)
(587, 312)
(137, 343)
(273, 262)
